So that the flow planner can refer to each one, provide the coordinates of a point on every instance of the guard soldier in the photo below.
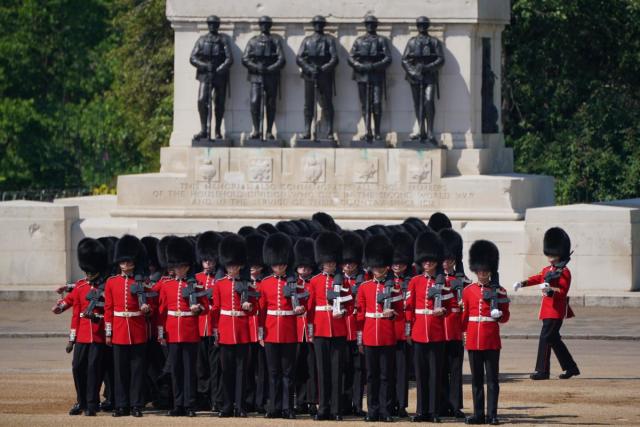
(427, 305)
(208, 366)
(369, 57)
(554, 280)
(318, 58)
(454, 349)
(277, 330)
(401, 268)
(86, 337)
(212, 57)
(181, 302)
(378, 302)
(329, 305)
(264, 58)
(485, 306)
(126, 327)
(422, 58)
(233, 304)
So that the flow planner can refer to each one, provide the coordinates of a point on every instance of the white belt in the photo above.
(280, 312)
(100, 316)
(233, 313)
(455, 310)
(324, 308)
(374, 315)
(127, 313)
(482, 319)
(180, 313)
(423, 311)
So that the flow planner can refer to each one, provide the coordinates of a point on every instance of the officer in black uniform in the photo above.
(318, 58)
(212, 57)
(422, 59)
(369, 57)
(264, 58)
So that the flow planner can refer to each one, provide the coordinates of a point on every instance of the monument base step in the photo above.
(316, 143)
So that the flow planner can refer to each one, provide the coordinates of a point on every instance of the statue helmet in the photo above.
(213, 19)
(423, 20)
(370, 19)
(319, 19)
(265, 20)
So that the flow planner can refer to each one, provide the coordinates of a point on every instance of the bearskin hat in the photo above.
(302, 227)
(556, 242)
(246, 230)
(326, 221)
(277, 249)
(162, 251)
(92, 256)
(484, 256)
(128, 248)
(364, 234)
(267, 228)
(352, 247)
(150, 244)
(452, 244)
(428, 246)
(377, 230)
(180, 251)
(207, 246)
(288, 227)
(313, 226)
(232, 250)
(328, 247)
(402, 243)
(378, 252)
(439, 221)
(109, 243)
(416, 223)
(255, 244)
(303, 253)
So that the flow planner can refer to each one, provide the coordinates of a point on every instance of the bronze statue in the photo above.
(212, 57)
(317, 59)
(422, 59)
(369, 57)
(264, 58)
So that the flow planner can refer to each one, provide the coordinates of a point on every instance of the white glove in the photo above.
(517, 286)
(496, 314)
(544, 285)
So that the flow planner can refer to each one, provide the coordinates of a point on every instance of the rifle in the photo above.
(291, 291)
(553, 275)
(94, 296)
(139, 289)
(191, 293)
(385, 298)
(435, 292)
(242, 287)
(421, 110)
(316, 115)
(333, 295)
(367, 118)
(263, 107)
(458, 284)
(359, 281)
(491, 294)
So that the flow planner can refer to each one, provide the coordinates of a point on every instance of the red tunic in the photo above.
(426, 327)
(400, 320)
(453, 318)
(122, 316)
(253, 319)
(276, 316)
(483, 332)
(320, 310)
(352, 327)
(230, 321)
(302, 320)
(83, 329)
(555, 306)
(376, 330)
(205, 320)
(180, 324)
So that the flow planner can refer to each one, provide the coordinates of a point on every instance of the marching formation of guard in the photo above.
(301, 318)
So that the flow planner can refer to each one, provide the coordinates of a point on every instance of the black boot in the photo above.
(569, 373)
(75, 409)
(539, 376)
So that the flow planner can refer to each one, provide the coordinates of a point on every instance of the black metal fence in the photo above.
(43, 195)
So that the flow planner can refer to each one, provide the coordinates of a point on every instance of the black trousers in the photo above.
(355, 376)
(550, 339)
(108, 392)
(88, 370)
(379, 362)
(306, 377)
(209, 372)
(184, 378)
(130, 367)
(428, 360)
(400, 387)
(280, 362)
(452, 377)
(485, 363)
(233, 358)
(156, 388)
(330, 354)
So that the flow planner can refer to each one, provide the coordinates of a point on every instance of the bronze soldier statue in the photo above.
(264, 58)
(318, 58)
(369, 57)
(212, 57)
(422, 59)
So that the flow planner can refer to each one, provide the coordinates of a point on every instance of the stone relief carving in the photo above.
(209, 169)
(420, 172)
(313, 169)
(366, 171)
(260, 170)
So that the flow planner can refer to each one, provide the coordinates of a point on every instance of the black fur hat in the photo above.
(439, 221)
(313, 226)
(92, 256)
(452, 244)
(378, 252)
(150, 244)
(277, 249)
(109, 243)
(128, 248)
(402, 248)
(162, 251)
(364, 234)
(484, 256)
(328, 247)
(207, 246)
(302, 227)
(352, 247)
(232, 250)
(428, 246)
(180, 251)
(304, 253)
(267, 228)
(246, 230)
(255, 244)
(377, 230)
(326, 221)
(557, 243)
(416, 223)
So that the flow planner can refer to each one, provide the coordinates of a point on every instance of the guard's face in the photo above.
(379, 272)
(208, 265)
(449, 264)
(430, 266)
(126, 266)
(399, 268)
(91, 276)
(213, 26)
(181, 270)
(256, 270)
(483, 276)
(553, 259)
(279, 269)
(318, 26)
(304, 271)
(349, 268)
(329, 267)
(371, 27)
(265, 27)
(233, 270)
